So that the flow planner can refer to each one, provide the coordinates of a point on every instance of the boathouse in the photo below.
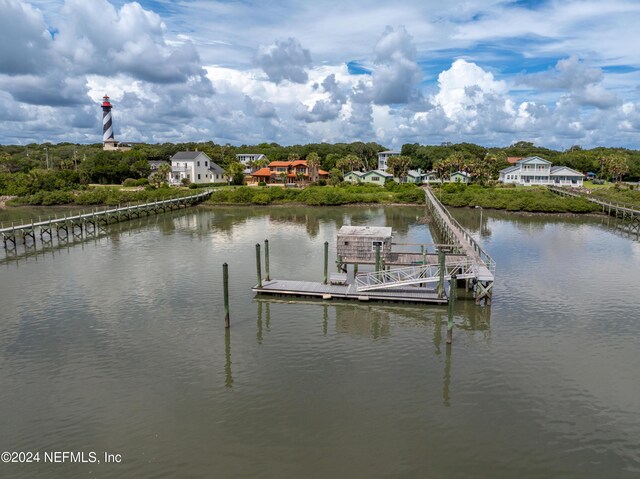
(357, 244)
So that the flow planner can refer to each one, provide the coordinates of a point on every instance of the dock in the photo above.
(630, 216)
(89, 224)
(398, 276)
(347, 292)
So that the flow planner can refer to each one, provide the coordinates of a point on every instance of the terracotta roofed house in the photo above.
(286, 172)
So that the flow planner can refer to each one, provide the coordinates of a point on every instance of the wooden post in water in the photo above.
(266, 259)
(441, 260)
(259, 271)
(225, 283)
(377, 258)
(452, 300)
(326, 261)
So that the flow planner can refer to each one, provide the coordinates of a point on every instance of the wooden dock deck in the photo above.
(347, 291)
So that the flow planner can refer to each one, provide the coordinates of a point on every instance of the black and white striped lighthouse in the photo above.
(107, 122)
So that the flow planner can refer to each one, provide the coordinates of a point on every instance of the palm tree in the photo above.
(398, 166)
(162, 174)
(313, 163)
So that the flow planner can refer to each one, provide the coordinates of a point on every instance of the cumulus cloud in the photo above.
(24, 39)
(99, 39)
(464, 87)
(260, 108)
(396, 74)
(582, 82)
(284, 60)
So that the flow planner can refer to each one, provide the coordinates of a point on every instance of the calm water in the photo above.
(118, 345)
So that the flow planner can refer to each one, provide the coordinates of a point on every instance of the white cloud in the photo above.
(397, 73)
(284, 60)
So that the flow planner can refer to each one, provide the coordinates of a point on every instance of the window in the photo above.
(198, 175)
(375, 244)
(206, 163)
(375, 178)
(198, 163)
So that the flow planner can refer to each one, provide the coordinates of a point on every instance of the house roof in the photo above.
(322, 172)
(299, 162)
(462, 173)
(415, 173)
(280, 163)
(357, 173)
(388, 152)
(509, 169)
(373, 231)
(215, 168)
(564, 171)
(513, 159)
(379, 173)
(188, 155)
(262, 172)
(533, 159)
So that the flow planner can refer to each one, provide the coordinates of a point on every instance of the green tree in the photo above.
(616, 165)
(313, 163)
(398, 166)
(161, 175)
(335, 176)
(235, 170)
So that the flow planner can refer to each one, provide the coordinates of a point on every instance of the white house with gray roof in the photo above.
(196, 167)
(534, 170)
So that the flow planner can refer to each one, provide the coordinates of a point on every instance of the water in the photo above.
(117, 345)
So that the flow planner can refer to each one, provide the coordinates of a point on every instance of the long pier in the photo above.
(611, 208)
(482, 267)
(91, 223)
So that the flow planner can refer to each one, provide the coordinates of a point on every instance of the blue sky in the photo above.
(492, 72)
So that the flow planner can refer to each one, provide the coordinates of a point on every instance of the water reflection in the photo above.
(228, 375)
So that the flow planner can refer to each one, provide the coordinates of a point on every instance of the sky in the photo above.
(490, 72)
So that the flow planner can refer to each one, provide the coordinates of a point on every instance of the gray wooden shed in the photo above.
(357, 244)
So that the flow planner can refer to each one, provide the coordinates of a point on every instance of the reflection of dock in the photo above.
(347, 291)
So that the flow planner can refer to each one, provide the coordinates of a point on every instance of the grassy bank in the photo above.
(530, 199)
(320, 195)
(618, 194)
(97, 196)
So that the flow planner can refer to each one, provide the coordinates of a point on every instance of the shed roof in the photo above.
(373, 231)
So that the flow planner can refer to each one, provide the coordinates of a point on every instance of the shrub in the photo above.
(129, 182)
(261, 199)
(262, 183)
(142, 181)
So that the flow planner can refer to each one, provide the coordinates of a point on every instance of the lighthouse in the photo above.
(108, 138)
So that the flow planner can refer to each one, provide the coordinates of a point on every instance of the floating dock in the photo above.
(347, 291)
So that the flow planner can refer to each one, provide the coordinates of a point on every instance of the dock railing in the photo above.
(461, 232)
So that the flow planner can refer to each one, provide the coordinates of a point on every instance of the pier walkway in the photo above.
(482, 266)
(611, 208)
(90, 223)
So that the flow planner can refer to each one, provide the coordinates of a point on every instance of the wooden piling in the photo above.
(452, 300)
(266, 259)
(441, 260)
(326, 261)
(225, 283)
(378, 265)
(258, 269)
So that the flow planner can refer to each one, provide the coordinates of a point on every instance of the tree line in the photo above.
(28, 168)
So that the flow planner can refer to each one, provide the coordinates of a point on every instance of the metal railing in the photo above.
(428, 273)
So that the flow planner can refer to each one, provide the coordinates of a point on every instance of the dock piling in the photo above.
(378, 265)
(326, 261)
(452, 300)
(225, 282)
(258, 269)
(266, 259)
(441, 259)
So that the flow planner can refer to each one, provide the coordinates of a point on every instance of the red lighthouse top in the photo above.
(105, 101)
